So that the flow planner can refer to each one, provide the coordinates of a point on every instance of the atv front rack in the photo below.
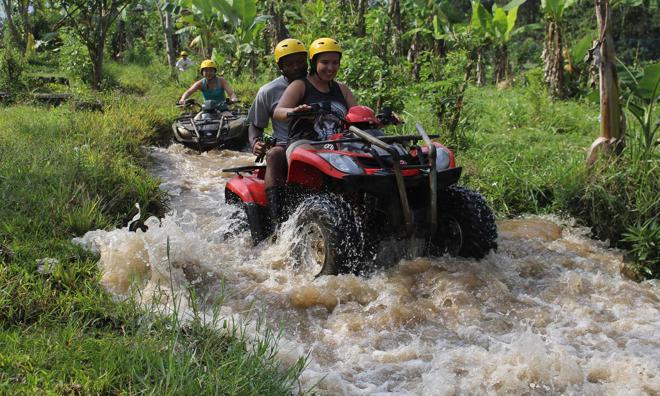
(397, 167)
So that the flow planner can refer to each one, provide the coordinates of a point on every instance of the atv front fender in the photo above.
(306, 168)
(248, 189)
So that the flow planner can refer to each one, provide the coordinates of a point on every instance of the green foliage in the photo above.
(644, 240)
(443, 91)
(74, 57)
(374, 83)
(497, 26)
(642, 93)
(554, 9)
(12, 66)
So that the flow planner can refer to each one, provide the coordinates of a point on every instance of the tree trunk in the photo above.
(481, 71)
(25, 16)
(168, 34)
(277, 28)
(395, 18)
(413, 57)
(361, 24)
(458, 106)
(96, 52)
(553, 59)
(501, 63)
(612, 124)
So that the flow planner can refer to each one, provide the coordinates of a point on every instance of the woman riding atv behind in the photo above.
(213, 87)
(320, 86)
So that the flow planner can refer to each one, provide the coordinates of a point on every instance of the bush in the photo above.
(74, 57)
(620, 202)
(12, 66)
(374, 83)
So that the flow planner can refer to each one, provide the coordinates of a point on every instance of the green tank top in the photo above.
(217, 94)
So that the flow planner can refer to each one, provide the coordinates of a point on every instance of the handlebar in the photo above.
(269, 142)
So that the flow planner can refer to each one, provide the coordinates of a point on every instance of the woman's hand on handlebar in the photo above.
(299, 110)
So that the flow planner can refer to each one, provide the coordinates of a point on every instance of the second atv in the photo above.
(211, 125)
(360, 195)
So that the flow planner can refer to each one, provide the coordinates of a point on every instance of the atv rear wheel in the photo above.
(329, 234)
(466, 224)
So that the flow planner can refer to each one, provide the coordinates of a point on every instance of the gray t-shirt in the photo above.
(264, 105)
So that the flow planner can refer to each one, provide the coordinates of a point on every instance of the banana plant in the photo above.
(553, 45)
(207, 19)
(641, 95)
(241, 16)
(199, 18)
(496, 28)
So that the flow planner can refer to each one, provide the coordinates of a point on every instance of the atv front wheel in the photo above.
(466, 225)
(329, 236)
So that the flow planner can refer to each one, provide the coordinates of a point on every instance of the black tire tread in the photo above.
(342, 227)
(475, 217)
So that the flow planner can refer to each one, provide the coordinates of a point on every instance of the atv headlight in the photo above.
(441, 159)
(343, 163)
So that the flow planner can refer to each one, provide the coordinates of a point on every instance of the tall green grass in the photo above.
(526, 154)
(62, 173)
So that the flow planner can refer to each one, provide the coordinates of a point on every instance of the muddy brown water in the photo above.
(548, 313)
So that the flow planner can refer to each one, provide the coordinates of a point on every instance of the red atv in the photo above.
(362, 198)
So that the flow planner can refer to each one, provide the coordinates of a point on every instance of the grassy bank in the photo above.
(527, 154)
(62, 173)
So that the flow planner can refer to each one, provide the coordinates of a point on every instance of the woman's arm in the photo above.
(195, 87)
(230, 92)
(348, 95)
(290, 101)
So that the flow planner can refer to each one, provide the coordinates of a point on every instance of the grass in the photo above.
(62, 173)
(527, 154)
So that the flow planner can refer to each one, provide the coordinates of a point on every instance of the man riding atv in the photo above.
(291, 59)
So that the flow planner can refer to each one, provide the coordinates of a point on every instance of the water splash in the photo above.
(548, 313)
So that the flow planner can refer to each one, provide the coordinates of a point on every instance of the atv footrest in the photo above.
(248, 168)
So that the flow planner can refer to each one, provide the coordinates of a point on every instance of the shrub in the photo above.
(12, 66)
(374, 83)
(74, 57)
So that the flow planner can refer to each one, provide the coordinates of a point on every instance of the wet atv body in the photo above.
(362, 198)
(210, 127)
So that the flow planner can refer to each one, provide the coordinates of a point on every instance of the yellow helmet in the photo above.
(184, 53)
(208, 63)
(287, 47)
(324, 44)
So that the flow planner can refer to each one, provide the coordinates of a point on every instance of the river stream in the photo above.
(548, 313)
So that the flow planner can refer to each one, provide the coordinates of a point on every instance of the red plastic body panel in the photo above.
(306, 168)
(249, 189)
